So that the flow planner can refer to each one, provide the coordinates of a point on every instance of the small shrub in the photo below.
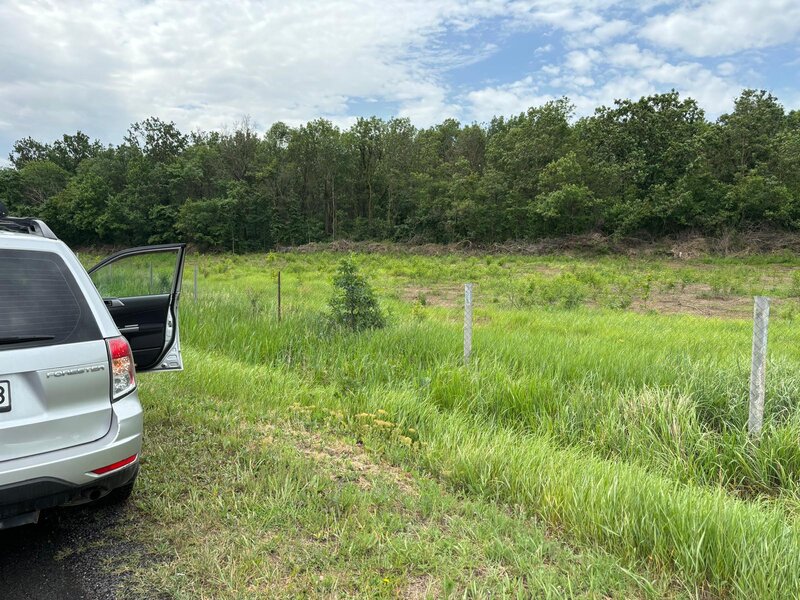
(418, 312)
(621, 294)
(225, 265)
(589, 276)
(563, 290)
(353, 304)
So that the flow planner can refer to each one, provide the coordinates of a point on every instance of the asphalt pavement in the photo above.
(65, 556)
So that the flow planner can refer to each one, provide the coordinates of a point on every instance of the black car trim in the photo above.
(50, 492)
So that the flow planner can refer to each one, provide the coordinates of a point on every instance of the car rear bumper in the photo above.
(63, 476)
(39, 494)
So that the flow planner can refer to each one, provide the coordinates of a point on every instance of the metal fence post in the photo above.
(195, 282)
(467, 322)
(150, 289)
(759, 365)
(279, 295)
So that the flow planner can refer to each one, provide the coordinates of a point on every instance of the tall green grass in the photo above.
(710, 540)
(623, 429)
(668, 393)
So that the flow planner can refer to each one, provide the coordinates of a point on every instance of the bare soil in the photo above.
(435, 295)
(693, 299)
(696, 300)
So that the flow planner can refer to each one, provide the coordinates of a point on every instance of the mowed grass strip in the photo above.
(708, 541)
(246, 499)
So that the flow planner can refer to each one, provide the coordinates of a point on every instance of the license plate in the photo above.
(5, 396)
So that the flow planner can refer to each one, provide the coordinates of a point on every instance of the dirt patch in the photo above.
(418, 588)
(694, 299)
(434, 295)
(697, 299)
(347, 458)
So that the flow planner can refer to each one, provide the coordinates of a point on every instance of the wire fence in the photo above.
(740, 322)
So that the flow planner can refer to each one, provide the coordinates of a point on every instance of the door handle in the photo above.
(129, 329)
(114, 302)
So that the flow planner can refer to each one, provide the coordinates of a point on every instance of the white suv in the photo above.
(71, 344)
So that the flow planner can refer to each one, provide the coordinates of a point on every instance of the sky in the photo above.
(208, 64)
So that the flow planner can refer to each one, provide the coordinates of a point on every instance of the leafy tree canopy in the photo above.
(655, 165)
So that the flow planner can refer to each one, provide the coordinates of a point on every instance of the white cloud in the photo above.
(563, 14)
(611, 29)
(100, 66)
(599, 67)
(655, 73)
(721, 27)
(711, 91)
(581, 61)
(630, 56)
(581, 81)
(620, 71)
(428, 106)
(509, 99)
(600, 35)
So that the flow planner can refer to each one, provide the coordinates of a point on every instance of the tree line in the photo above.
(654, 166)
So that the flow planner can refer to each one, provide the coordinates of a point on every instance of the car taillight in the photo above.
(114, 466)
(123, 374)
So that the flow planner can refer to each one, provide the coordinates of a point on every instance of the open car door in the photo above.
(141, 288)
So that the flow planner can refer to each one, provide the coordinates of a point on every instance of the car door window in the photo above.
(141, 288)
(147, 274)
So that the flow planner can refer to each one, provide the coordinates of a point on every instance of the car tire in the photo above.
(119, 495)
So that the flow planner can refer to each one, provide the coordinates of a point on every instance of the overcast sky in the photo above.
(206, 64)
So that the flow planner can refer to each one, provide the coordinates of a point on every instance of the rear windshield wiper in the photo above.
(21, 339)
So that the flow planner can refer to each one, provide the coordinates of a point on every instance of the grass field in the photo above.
(595, 446)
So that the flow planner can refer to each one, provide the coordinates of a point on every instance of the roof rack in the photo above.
(24, 225)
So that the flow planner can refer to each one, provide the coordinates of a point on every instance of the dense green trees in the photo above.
(653, 166)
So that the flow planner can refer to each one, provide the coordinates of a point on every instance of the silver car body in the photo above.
(62, 423)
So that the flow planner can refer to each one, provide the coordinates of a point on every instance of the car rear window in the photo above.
(40, 297)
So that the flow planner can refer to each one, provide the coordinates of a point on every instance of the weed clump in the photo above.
(353, 304)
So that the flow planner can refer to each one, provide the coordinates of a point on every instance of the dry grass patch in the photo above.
(349, 462)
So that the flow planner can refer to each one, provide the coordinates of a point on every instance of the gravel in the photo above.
(70, 554)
